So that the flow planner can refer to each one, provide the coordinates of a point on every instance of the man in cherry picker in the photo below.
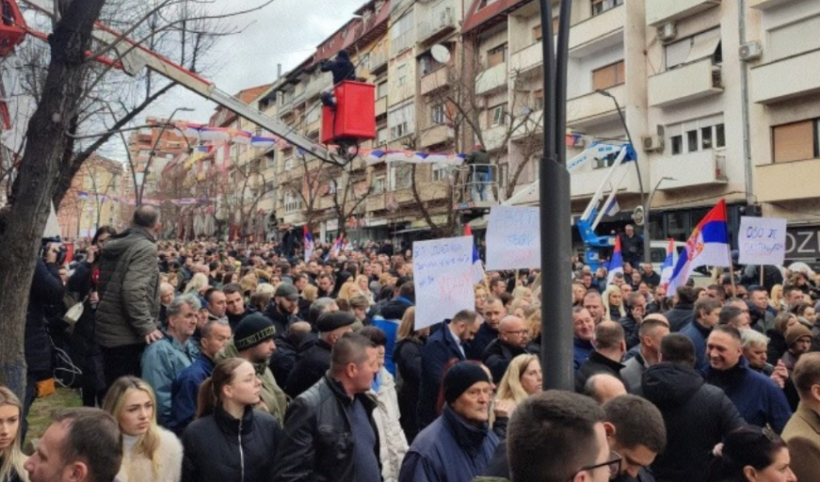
(342, 69)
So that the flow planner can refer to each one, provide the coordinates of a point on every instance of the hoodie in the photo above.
(697, 417)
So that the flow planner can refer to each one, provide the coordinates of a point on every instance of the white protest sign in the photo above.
(513, 238)
(762, 240)
(443, 278)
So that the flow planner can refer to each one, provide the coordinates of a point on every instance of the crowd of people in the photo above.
(212, 361)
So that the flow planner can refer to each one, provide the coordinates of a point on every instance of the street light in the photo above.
(646, 249)
(154, 151)
(647, 235)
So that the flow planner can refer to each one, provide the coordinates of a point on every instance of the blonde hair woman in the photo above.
(348, 290)
(614, 303)
(310, 293)
(198, 282)
(522, 293)
(11, 458)
(522, 379)
(150, 453)
(363, 283)
(776, 298)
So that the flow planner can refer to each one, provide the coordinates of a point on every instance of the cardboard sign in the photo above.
(443, 279)
(513, 238)
(762, 241)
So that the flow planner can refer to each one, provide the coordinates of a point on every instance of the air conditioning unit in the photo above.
(667, 32)
(652, 143)
(750, 51)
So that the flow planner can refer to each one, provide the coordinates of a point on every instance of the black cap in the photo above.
(333, 320)
(253, 330)
(460, 377)
(287, 290)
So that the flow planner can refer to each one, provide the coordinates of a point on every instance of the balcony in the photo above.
(402, 42)
(435, 80)
(685, 83)
(494, 137)
(785, 78)
(436, 135)
(659, 12)
(598, 32)
(526, 59)
(318, 85)
(439, 21)
(701, 168)
(492, 79)
(778, 182)
(378, 62)
(381, 106)
(525, 130)
(594, 108)
(374, 202)
(766, 4)
(584, 184)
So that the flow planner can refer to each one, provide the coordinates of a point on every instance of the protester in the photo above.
(682, 313)
(230, 440)
(706, 317)
(494, 311)
(631, 323)
(11, 457)
(522, 379)
(234, 304)
(653, 328)
(802, 433)
(635, 431)
(603, 387)
(610, 347)
(408, 364)
(752, 454)
(583, 331)
(513, 336)
(595, 305)
(150, 453)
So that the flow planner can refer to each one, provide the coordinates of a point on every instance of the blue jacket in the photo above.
(449, 450)
(758, 400)
(440, 348)
(161, 362)
(580, 352)
(698, 334)
(184, 392)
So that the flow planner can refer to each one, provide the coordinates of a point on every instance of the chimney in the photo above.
(278, 70)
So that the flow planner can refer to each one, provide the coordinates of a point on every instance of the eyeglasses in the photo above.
(614, 464)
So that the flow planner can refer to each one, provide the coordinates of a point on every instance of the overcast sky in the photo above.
(285, 32)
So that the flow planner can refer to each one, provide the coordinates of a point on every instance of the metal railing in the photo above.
(476, 183)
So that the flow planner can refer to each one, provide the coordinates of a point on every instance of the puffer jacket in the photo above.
(129, 289)
(272, 396)
(220, 448)
(319, 443)
(393, 444)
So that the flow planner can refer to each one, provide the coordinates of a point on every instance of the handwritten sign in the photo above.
(762, 240)
(513, 238)
(443, 278)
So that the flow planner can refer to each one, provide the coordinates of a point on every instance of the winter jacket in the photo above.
(580, 352)
(441, 347)
(498, 356)
(631, 327)
(310, 367)
(632, 373)
(161, 362)
(220, 448)
(136, 467)
(83, 339)
(408, 364)
(273, 397)
(393, 444)
(341, 68)
(390, 327)
(802, 435)
(652, 279)
(287, 352)
(485, 335)
(184, 393)
(479, 158)
(697, 417)
(777, 346)
(46, 289)
(631, 247)
(698, 334)
(281, 321)
(679, 316)
(596, 364)
(319, 444)
(449, 450)
(757, 398)
(129, 289)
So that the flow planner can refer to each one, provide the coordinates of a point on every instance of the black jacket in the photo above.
(679, 316)
(632, 248)
(498, 356)
(631, 327)
(281, 321)
(408, 365)
(595, 364)
(287, 352)
(310, 367)
(777, 346)
(219, 447)
(46, 289)
(319, 443)
(341, 68)
(474, 350)
(697, 416)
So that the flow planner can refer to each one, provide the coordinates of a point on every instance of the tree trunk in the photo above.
(45, 142)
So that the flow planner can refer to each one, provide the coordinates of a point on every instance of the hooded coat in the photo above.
(697, 417)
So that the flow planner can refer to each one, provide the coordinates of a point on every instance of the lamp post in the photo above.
(154, 151)
(646, 249)
(647, 235)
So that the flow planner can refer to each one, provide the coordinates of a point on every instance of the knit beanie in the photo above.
(795, 333)
(460, 378)
(253, 330)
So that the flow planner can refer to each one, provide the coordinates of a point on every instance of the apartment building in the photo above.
(93, 199)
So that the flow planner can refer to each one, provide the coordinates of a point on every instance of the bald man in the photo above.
(652, 330)
(610, 345)
(513, 335)
(603, 388)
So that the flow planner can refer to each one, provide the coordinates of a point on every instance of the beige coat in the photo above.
(802, 435)
(392, 441)
(138, 468)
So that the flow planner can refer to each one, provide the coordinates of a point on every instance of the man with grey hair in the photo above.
(164, 360)
(126, 317)
(755, 350)
(603, 387)
(318, 307)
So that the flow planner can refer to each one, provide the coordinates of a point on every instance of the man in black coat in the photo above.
(631, 246)
(697, 415)
(607, 355)
(342, 69)
(683, 312)
(283, 307)
(494, 311)
(315, 358)
(330, 434)
(636, 309)
(513, 336)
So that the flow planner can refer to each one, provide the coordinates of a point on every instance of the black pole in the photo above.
(555, 214)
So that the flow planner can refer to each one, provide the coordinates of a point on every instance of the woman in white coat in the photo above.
(392, 441)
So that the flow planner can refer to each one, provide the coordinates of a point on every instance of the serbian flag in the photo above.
(308, 243)
(616, 264)
(478, 268)
(335, 249)
(668, 264)
(707, 246)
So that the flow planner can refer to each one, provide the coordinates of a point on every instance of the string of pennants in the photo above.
(132, 202)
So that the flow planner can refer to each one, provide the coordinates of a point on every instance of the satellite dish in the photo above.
(440, 53)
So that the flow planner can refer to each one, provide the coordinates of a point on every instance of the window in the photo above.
(401, 175)
(497, 55)
(289, 164)
(608, 76)
(365, 61)
(601, 6)
(441, 172)
(697, 135)
(429, 65)
(536, 33)
(677, 145)
(497, 115)
(292, 202)
(381, 136)
(381, 90)
(438, 116)
(697, 47)
(401, 74)
(378, 185)
(796, 141)
(538, 99)
(720, 136)
(401, 121)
